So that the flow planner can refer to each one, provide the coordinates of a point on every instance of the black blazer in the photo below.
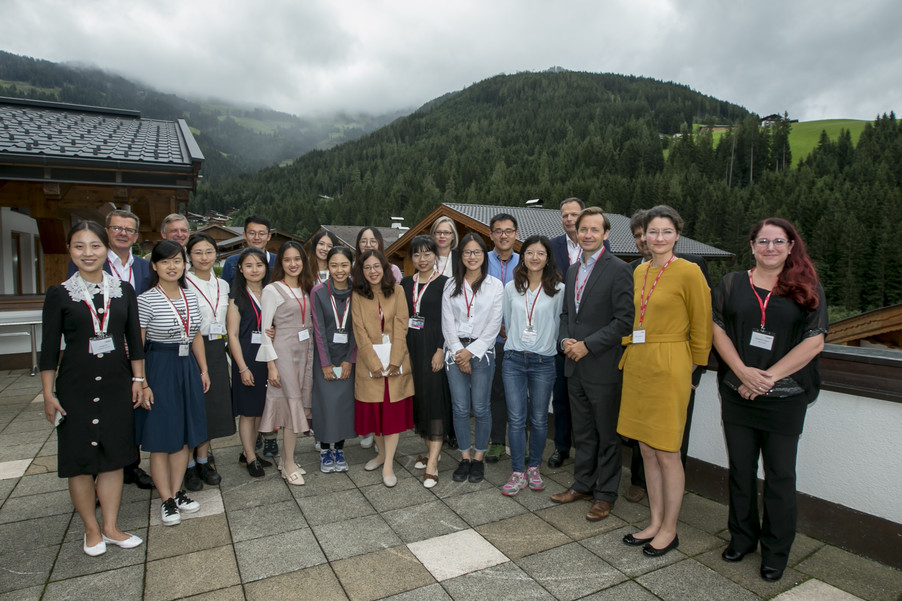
(140, 269)
(605, 316)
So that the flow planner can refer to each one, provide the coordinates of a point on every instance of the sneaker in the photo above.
(186, 503)
(192, 479)
(463, 470)
(259, 444)
(514, 485)
(255, 469)
(338, 457)
(270, 447)
(494, 453)
(367, 441)
(207, 472)
(326, 463)
(242, 460)
(477, 471)
(535, 478)
(319, 446)
(169, 513)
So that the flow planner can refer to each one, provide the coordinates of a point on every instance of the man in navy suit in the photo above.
(122, 230)
(257, 233)
(598, 312)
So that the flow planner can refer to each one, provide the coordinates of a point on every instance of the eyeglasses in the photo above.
(118, 228)
(777, 242)
(372, 267)
(472, 253)
(252, 234)
(443, 234)
(507, 232)
(533, 254)
(664, 233)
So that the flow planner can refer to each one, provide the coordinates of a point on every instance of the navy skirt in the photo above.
(178, 416)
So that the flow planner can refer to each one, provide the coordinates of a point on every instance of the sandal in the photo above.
(422, 461)
(430, 480)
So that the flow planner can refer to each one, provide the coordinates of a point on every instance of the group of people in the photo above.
(336, 343)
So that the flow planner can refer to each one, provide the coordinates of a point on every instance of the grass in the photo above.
(804, 136)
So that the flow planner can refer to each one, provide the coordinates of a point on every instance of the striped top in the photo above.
(158, 318)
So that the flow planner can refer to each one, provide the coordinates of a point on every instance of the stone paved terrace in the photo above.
(346, 536)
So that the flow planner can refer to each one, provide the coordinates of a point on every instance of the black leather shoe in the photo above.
(632, 541)
(650, 551)
(192, 479)
(462, 472)
(138, 477)
(207, 472)
(242, 460)
(557, 458)
(771, 574)
(731, 555)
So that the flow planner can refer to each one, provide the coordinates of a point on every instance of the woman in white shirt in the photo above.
(213, 298)
(532, 312)
(471, 319)
(289, 355)
(445, 233)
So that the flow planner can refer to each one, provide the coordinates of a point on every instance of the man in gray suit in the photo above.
(597, 314)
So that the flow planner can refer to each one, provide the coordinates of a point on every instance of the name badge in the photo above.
(183, 350)
(101, 345)
(529, 336)
(212, 337)
(217, 328)
(304, 335)
(340, 337)
(638, 336)
(336, 371)
(465, 330)
(257, 337)
(762, 339)
(416, 322)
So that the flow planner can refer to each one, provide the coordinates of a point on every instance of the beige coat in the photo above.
(367, 332)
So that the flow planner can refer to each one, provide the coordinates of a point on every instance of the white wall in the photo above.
(11, 221)
(848, 454)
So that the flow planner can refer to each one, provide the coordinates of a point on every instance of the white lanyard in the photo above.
(418, 295)
(100, 323)
(344, 318)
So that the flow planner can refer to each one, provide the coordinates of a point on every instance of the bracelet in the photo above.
(203, 373)
(146, 387)
(141, 379)
(241, 371)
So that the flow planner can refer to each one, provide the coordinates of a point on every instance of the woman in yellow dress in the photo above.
(671, 337)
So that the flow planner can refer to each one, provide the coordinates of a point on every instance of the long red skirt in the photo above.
(385, 418)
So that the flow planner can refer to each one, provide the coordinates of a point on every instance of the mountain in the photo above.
(234, 139)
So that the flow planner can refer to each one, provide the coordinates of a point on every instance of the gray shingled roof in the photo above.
(40, 131)
(547, 222)
(348, 233)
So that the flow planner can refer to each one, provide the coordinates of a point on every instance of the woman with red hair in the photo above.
(769, 328)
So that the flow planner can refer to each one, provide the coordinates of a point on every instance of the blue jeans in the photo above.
(473, 389)
(528, 382)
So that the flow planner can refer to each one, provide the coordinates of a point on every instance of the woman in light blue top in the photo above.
(532, 309)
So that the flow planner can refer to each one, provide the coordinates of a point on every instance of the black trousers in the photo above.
(777, 530)
(561, 403)
(498, 434)
(597, 453)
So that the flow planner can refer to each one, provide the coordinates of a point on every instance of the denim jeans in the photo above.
(528, 382)
(471, 390)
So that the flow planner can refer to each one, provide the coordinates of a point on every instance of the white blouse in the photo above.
(213, 298)
(484, 321)
(270, 302)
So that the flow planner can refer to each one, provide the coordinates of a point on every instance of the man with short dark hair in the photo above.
(257, 233)
(502, 260)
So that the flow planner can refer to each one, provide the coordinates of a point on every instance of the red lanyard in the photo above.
(119, 275)
(186, 322)
(503, 265)
(468, 303)
(417, 295)
(643, 300)
(344, 318)
(201, 292)
(762, 304)
(381, 317)
(257, 313)
(302, 302)
(531, 310)
(100, 323)
(579, 289)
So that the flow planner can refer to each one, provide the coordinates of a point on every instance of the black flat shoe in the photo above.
(771, 574)
(462, 472)
(650, 551)
(632, 541)
(732, 555)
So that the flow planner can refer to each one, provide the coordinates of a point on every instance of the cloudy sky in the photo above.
(816, 59)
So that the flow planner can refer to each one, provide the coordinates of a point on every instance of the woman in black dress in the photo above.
(425, 342)
(98, 386)
(243, 323)
(769, 328)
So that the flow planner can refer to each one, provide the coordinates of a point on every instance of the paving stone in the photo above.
(484, 506)
(318, 582)
(407, 492)
(123, 584)
(24, 424)
(448, 488)
(381, 574)
(41, 483)
(265, 520)
(278, 554)
(42, 465)
(39, 532)
(176, 577)
(26, 594)
(15, 437)
(6, 488)
(26, 567)
(20, 451)
(355, 537)
(72, 561)
(335, 507)
(691, 581)
(318, 483)
(233, 593)
(862, 577)
(628, 591)
(571, 520)
(254, 492)
(25, 508)
(505, 582)
(523, 535)
(585, 573)
(13, 470)
(815, 589)
(703, 513)
(471, 552)
(210, 501)
(536, 500)
(802, 547)
(629, 560)
(746, 573)
(427, 520)
(187, 537)
(433, 592)
(132, 516)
